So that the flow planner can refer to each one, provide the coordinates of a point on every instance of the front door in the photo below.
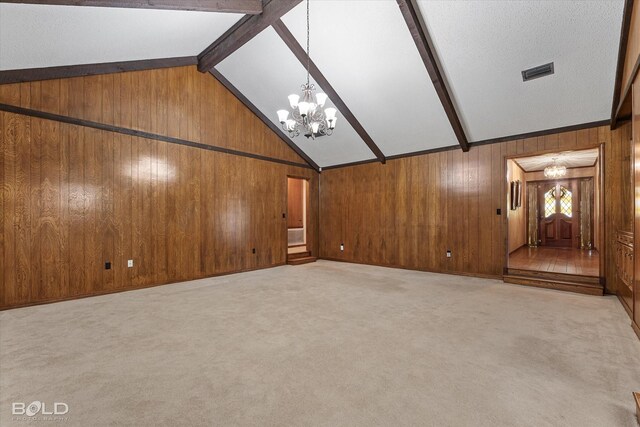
(558, 219)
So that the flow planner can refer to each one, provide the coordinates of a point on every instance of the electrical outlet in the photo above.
(498, 211)
(107, 265)
(130, 263)
(448, 253)
(342, 246)
(253, 250)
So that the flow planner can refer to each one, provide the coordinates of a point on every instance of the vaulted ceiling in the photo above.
(367, 53)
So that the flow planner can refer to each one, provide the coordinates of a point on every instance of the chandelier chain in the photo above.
(308, 50)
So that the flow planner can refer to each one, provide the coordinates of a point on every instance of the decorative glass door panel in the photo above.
(557, 224)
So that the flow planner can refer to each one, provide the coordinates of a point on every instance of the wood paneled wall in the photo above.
(176, 102)
(410, 211)
(517, 223)
(636, 230)
(74, 198)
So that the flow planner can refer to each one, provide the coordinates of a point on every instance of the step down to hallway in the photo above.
(300, 258)
(589, 285)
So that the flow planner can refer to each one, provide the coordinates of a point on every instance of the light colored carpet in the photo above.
(326, 344)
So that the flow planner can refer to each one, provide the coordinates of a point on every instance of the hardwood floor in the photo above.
(556, 260)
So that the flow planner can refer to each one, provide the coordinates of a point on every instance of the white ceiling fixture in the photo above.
(309, 113)
(556, 169)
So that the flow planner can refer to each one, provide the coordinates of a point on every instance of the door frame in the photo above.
(602, 250)
(307, 205)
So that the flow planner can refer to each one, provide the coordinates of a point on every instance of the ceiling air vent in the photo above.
(539, 71)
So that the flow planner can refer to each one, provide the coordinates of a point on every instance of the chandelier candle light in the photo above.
(308, 113)
(555, 170)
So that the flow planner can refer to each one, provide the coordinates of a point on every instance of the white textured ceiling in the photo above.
(266, 72)
(365, 50)
(33, 36)
(484, 45)
(570, 159)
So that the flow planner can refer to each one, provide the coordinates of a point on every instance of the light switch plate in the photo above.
(130, 263)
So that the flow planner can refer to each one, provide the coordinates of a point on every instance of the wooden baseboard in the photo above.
(519, 247)
(624, 305)
(130, 288)
(636, 329)
(426, 270)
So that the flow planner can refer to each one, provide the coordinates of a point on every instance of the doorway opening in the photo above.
(297, 227)
(554, 220)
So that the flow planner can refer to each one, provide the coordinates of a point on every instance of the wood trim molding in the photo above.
(419, 35)
(231, 88)
(346, 165)
(317, 75)
(396, 156)
(250, 7)
(636, 329)
(68, 71)
(581, 126)
(622, 53)
(141, 134)
(243, 31)
(544, 132)
(423, 152)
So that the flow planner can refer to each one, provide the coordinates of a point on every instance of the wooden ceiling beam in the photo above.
(68, 71)
(317, 75)
(243, 31)
(250, 7)
(419, 35)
